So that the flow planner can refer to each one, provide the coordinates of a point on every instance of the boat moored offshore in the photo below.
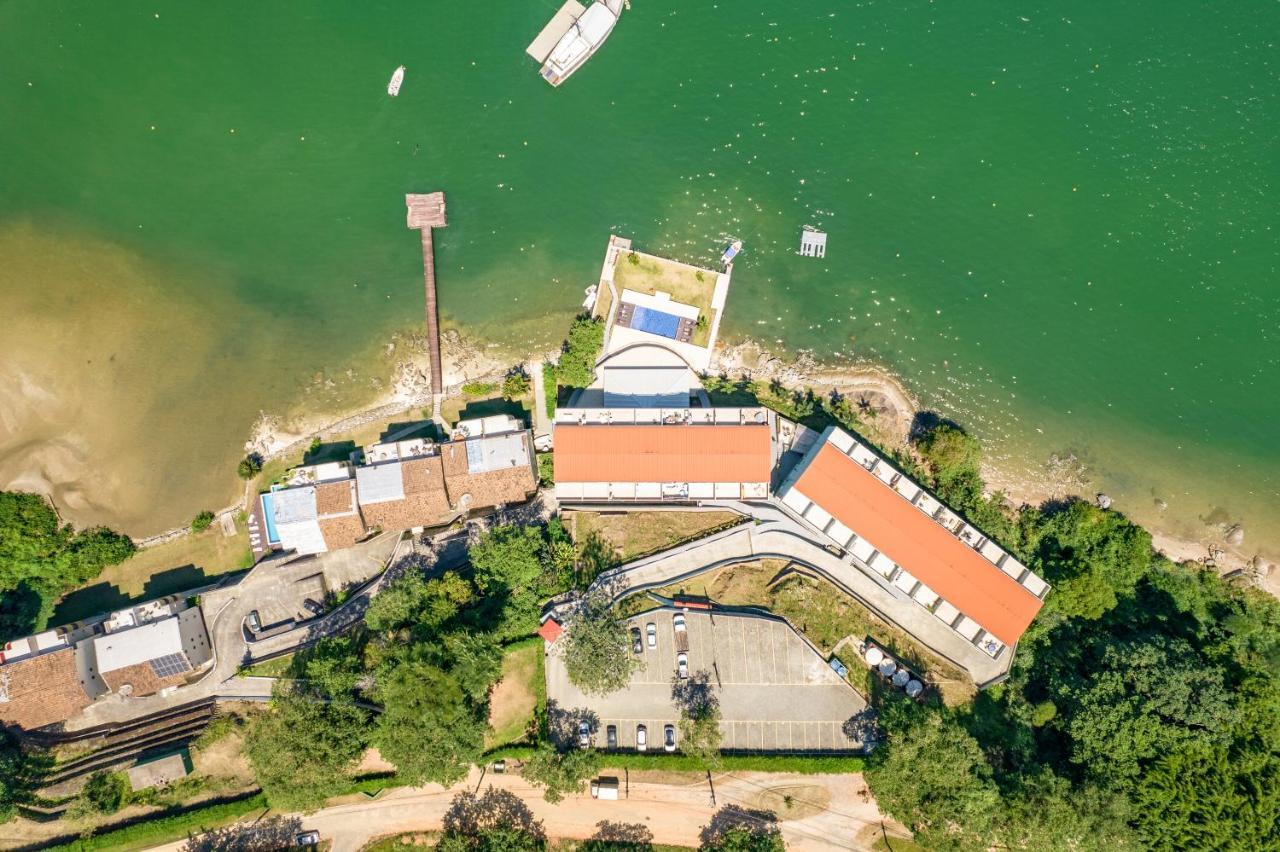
(397, 78)
(584, 34)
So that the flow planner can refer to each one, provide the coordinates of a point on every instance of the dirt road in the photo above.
(675, 813)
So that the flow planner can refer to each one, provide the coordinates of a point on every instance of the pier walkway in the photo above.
(424, 213)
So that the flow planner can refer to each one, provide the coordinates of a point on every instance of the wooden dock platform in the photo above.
(424, 213)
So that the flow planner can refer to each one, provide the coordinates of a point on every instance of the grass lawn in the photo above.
(166, 569)
(634, 534)
(465, 407)
(277, 667)
(685, 284)
(517, 695)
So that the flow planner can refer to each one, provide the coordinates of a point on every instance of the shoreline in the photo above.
(466, 359)
(896, 407)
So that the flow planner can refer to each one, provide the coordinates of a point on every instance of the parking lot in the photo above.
(775, 692)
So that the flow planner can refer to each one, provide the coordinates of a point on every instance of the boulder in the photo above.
(1104, 502)
(1235, 535)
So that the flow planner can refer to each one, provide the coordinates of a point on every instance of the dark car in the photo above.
(312, 606)
(611, 736)
(637, 643)
(669, 738)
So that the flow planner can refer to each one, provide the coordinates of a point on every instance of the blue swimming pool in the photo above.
(269, 514)
(655, 322)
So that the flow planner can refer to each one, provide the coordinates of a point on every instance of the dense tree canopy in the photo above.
(560, 773)
(41, 558)
(577, 364)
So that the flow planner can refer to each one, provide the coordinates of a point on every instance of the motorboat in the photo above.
(397, 78)
(583, 38)
(731, 252)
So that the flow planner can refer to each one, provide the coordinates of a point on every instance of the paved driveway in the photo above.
(776, 692)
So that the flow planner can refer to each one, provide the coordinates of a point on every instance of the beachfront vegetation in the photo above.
(516, 384)
(578, 355)
(596, 648)
(1142, 711)
(40, 558)
(250, 466)
(202, 521)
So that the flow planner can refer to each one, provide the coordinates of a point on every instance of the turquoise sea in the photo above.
(1060, 227)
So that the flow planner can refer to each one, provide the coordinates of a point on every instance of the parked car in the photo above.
(669, 738)
(584, 733)
(838, 667)
(682, 664)
(637, 644)
(307, 838)
(652, 630)
(642, 738)
(677, 621)
(611, 736)
(253, 621)
(313, 606)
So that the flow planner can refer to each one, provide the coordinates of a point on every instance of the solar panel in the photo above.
(169, 665)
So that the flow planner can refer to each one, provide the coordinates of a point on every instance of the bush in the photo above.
(515, 385)
(202, 521)
(161, 828)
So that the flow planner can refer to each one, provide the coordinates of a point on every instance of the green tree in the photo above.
(560, 772)
(931, 774)
(515, 385)
(41, 558)
(699, 722)
(428, 728)
(332, 667)
(202, 521)
(304, 749)
(17, 780)
(250, 466)
(737, 829)
(1042, 811)
(596, 649)
(103, 793)
(495, 821)
(577, 364)
(506, 558)
(953, 458)
(1148, 697)
(413, 600)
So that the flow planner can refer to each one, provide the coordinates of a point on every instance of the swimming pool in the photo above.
(269, 515)
(655, 322)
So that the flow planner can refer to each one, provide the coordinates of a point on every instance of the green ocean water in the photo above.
(1059, 228)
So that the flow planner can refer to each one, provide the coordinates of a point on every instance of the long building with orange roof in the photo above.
(889, 524)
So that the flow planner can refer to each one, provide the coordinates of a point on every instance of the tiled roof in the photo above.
(335, 498)
(953, 569)
(488, 487)
(550, 630)
(342, 530)
(663, 453)
(142, 678)
(42, 690)
(424, 502)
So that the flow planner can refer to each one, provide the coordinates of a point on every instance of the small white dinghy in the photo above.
(393, 88)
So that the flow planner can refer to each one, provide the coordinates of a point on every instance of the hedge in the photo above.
(158, 828)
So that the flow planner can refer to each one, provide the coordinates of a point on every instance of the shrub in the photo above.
(202, 521)
(250, 466)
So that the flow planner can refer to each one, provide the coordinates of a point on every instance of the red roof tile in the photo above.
(550, 630)
(935, 557)
(663, 453)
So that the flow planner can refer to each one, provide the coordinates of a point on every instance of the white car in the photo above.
(651, 630)
(677, 622)
(682, 664)
(642, 738)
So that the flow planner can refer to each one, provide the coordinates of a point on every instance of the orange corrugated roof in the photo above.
(935, 557)
(663, 453)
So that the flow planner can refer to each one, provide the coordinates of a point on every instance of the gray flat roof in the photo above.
(380, 483)
(293, 505)
(138, 644)
(776, 692)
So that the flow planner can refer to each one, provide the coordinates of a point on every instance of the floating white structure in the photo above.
(813, 243)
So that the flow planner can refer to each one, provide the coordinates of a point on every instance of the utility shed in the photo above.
(813, 243)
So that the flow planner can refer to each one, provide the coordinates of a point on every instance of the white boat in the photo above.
(583, 39)
(393, 88)
(731, 252)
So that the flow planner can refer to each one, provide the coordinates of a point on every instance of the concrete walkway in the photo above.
(772, 534)
(541, 418)
(674, 812)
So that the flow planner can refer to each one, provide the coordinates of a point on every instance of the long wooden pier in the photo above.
(424, 213)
